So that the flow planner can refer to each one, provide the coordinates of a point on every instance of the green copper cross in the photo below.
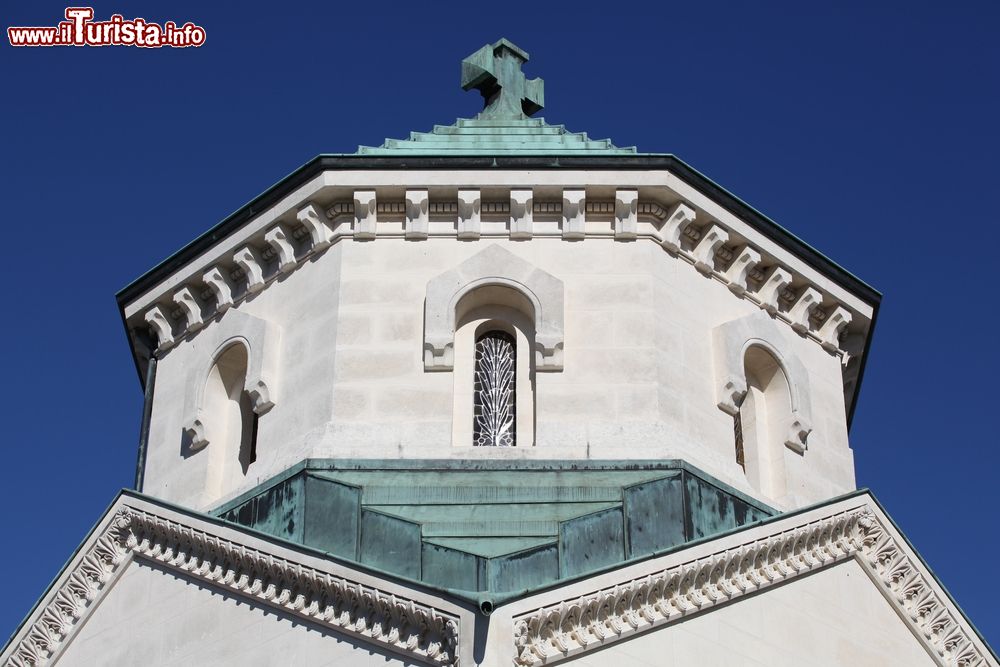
(495, 71)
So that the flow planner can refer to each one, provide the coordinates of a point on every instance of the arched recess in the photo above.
(480, 311)
(261, 340)
(731, 342)
(761, 420)
(230, 422)
(497, 267)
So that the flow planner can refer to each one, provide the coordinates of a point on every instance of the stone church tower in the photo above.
(497, 394)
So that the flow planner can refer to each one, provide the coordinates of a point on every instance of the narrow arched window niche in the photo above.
(762, 422)
(494, 369)
(230, 422)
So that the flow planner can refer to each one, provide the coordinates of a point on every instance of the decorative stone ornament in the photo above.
(730, 342)
(161, 327)
(278, 238)
(218, 282)
(629, 607)
(404, 626)
(552, 626)
(190, 307)
(249, 261)
(521, 214)
(494, 266)
(417, 210)
(626, 207)
(673, 226)
(573, 214)
(833, 326)
(740, 268)
(365, 214)
(262, 340)
(771, 287)
(469, 221)
(313, 220)
(713, 238)
(705, 249)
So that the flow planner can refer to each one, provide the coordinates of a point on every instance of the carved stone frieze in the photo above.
(373, 615)
(572, 626)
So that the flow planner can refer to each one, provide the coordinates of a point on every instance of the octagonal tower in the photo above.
(482, 346)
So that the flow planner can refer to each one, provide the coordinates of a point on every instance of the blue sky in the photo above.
(867, 129)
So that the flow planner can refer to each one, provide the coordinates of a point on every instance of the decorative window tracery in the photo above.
(495, 382)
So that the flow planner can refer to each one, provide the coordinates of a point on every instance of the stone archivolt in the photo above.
(567, 628)
(400, 624)
(705, 245)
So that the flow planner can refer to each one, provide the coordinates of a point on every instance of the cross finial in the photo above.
(495, 71)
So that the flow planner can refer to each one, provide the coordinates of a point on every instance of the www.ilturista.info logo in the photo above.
(79, 29)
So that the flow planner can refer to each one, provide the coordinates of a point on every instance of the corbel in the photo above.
(740, 268)
(809, 299)
(712, 238)
(417, 209)
(365, 214)
(798, 433)
(731, 394)
(194, 432)
(521, 214)
(249, 261)
(834, 324)
(160, 324)
(277, 238)
(574, 214)
(678, 218)
(219, 284)
(770, 291)
(311, 218)
(191, 308)
(469, 223)
(626, 214)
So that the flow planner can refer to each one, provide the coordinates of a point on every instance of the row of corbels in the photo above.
(220, 283)
(743, 268)
(706, 247)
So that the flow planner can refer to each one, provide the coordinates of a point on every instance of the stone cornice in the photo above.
(403, 625)
(567, 628)
(694, 237)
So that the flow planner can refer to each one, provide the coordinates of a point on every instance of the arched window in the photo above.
(230, 421)
(495, 387)
(494, 369)
(762, 423)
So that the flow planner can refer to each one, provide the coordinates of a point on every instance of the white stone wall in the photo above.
(832, 618)
(638, 377)
(304, 307)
